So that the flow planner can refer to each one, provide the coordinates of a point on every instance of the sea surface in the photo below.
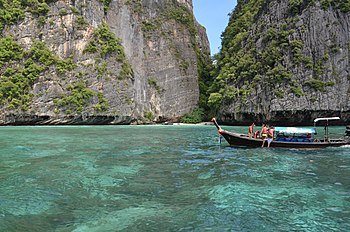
(166, 178)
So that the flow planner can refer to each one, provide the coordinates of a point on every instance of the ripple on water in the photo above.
(166, 179)
(26, 201)
(283, 205)
(121, 219)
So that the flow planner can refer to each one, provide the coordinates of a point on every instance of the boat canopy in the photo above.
(295, 130)
(326, 119)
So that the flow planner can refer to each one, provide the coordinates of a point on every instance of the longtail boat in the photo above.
(288, 137)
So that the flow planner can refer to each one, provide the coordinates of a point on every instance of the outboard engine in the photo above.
(347, 131)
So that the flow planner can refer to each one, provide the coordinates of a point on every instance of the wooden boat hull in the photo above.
(235, 139)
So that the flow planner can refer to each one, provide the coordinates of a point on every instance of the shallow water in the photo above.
(165, 178)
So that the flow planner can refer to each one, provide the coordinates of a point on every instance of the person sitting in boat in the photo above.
(270, 135)
(256, 134)
(264, 131)
(251, 130)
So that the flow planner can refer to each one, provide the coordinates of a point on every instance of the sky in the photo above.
(213, 15)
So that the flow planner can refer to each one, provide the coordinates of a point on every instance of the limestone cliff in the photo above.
(99, 61)
(284, 61)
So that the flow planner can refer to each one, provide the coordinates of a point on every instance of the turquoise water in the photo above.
(165, 178)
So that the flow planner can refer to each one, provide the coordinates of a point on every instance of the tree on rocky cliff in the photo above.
(272, 61)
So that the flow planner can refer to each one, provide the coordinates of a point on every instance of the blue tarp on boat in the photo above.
(295, 130)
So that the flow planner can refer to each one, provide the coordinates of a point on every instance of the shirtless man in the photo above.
(270, 135)
(251, 130)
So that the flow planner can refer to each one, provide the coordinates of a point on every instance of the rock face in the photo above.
(289, 62)
(101, 62)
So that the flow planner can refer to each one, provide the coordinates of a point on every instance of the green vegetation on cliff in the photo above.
(78, 98)
(20, 68)
(297, 5)
(34, 78)
(343, 5)
(259, 58)
(196, 116)
(106, 44)
(13, 11)
(237, 66)
(106, 5)
(182, 15)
